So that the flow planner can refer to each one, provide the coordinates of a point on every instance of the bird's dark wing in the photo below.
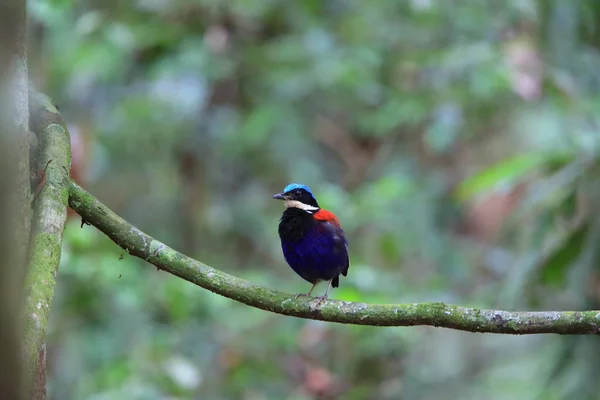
(331, 225)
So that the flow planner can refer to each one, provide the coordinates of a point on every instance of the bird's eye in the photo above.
(297, 192)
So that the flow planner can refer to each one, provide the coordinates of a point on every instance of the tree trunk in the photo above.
(15, 193)
(11, 382)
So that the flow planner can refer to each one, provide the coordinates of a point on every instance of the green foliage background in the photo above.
(402, 116)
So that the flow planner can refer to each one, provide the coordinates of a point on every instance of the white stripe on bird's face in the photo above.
(298, 204)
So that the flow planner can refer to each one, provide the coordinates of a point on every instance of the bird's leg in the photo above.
(309, 292)
(312, 288)
(321, 299)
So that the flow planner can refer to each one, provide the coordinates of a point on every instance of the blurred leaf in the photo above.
(553, 270)
(408, 111)
(506, 172)
(81, 238)
(390, 250)
(258, 126)
(443, 132)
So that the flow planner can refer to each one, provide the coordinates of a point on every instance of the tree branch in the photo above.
(49, 222)
(141, 245)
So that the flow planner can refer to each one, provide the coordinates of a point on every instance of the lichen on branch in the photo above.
(141, 245)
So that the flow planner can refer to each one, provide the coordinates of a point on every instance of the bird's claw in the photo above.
(300, 295)
(321, 299)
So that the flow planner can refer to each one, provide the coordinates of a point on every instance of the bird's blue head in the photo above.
(299, 196)
(293, 186)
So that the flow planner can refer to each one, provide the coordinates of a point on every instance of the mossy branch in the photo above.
(48, 225)
(139, 244)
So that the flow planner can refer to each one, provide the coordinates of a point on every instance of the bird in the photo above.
(312, 240)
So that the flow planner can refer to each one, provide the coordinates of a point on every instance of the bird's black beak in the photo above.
(280, 196)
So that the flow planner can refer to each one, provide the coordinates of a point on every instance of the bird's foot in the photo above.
(321, 299)
(300, 295)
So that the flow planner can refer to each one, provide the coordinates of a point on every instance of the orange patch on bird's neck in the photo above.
(324, 215)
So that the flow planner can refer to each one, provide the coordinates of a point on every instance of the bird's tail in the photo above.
(335, 282)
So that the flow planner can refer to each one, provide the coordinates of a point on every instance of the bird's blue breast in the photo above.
(318, 255)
